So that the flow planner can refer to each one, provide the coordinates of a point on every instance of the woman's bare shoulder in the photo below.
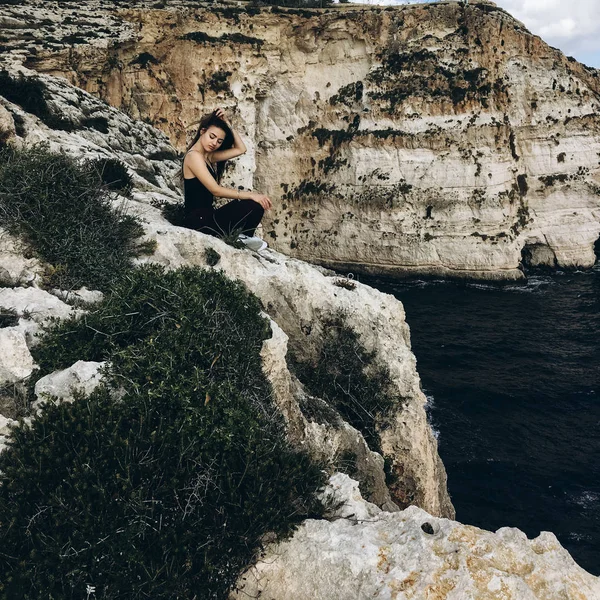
(192, 155)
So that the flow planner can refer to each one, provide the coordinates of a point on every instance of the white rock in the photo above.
(82, 377)
(15, 269)
(343, 494)
(16, 362)
(412, 555)
(36, 304)
(5, 424)
(7, 125)
(30, 330)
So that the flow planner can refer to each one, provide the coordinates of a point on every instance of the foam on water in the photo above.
(429, 405)
(587, 499)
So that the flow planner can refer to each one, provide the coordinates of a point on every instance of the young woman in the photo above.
(203, 164)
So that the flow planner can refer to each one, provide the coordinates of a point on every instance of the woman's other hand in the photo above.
(263, 200)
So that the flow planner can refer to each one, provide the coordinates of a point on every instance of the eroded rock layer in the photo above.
(437, 138)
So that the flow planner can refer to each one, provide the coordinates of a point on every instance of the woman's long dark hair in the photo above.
(205, 123)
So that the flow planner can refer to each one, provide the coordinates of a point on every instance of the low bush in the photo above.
(174, 212)
(63, 210)
(212, 257)
(348, 378)
(8, 317)
(162, 483)
(113, 174)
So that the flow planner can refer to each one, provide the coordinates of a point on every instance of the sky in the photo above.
(573, 26)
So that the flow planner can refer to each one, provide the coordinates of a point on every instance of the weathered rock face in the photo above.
(437, 138)
(327, 440)
(366, 553)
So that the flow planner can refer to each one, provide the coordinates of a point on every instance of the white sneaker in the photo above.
(254, 243)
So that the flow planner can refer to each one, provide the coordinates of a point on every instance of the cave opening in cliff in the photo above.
(597, 250)
(536, 256)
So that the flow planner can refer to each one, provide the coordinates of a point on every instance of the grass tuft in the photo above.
(348, 378)
(8, 317)
(63, 210)
(113, 174)
(174, 212)
(212, 257)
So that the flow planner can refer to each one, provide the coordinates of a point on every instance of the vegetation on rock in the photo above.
(62, 208)
(114, 174)
(163, 481)
(30, 94)
(347, 377)
(227, 38)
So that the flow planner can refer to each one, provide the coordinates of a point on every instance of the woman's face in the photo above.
(212, 138)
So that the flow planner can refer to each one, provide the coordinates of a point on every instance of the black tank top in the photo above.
(197, 197)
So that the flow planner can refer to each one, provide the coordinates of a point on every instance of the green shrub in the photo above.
(63, 211)
(347, 377)
(113, 174)
(174, 212)
(8, 317)
(166, 492)
(212, 256)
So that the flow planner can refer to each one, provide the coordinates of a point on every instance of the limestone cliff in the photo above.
(447, 558)
(437, 138)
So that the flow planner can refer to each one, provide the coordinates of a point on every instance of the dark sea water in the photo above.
(512, 373)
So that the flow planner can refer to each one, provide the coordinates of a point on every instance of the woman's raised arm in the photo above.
(238, 147)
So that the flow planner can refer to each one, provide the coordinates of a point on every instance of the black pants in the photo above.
(237, 216)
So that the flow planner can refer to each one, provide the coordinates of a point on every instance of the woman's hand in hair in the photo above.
(221, 114)
(263, 200)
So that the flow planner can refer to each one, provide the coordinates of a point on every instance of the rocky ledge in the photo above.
(365, 553)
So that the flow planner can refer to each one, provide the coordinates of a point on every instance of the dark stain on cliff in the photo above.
(236, 38)
(513, 147)
(522, 183)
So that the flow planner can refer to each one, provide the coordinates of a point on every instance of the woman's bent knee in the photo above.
(251, 208)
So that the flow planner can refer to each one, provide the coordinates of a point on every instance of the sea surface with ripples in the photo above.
(512, 375)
